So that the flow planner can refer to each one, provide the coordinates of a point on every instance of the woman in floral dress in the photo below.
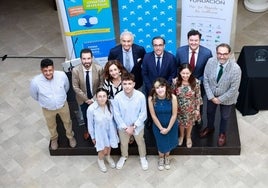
(187, 90)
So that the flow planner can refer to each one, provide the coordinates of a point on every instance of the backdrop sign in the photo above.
(87, 24)
(147, 19)
(212, 18)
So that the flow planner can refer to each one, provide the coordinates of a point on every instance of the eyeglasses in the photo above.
(158, 45)
(222, 54)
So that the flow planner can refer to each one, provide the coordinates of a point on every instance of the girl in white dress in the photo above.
(102, 128)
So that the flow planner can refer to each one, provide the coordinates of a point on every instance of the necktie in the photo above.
(220, 73)
(127, 62)
(158, 65)
(89, 94)
(192, 60)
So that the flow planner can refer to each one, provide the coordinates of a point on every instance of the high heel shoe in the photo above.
(180, 141)
(189, 143)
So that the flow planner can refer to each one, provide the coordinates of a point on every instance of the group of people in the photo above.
(135, 87)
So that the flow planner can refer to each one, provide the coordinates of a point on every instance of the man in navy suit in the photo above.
(201, 55)
(158, 63)
(130, 55)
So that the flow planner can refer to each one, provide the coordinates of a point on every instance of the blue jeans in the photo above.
(225, 111)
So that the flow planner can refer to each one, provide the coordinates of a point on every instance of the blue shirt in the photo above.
(130, 110)
(51, 94)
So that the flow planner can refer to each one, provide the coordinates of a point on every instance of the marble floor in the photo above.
(29, 31)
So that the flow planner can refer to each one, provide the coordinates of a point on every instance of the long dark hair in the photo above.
(192, 80)
(108, 103)
(161, 82)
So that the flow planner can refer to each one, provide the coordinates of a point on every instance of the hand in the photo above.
(89, 101)
(215, 100)
(130, 130)
(197, 114)
(94, 141)
(174, 80)
(164, 131)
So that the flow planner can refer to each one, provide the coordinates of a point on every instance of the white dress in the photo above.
(102, 127)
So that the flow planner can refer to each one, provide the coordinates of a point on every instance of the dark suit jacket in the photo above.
(168, 69)
(138, 52)
(182, 56)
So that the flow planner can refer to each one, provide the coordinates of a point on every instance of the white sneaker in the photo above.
(110, 160)
(102, 165)
(144, 163)
(161, 163)
(121, 163)
(167, 163)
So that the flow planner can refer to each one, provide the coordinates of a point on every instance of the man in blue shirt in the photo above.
(49, 89)
(130, 113)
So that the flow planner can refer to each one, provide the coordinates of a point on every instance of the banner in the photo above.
(212, 18)
(147, 19)
(87, 24)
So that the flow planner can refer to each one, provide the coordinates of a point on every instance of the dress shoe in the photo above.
(222, 140)
(205, 132)
(86, 135)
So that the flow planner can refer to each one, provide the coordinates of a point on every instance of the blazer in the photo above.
(79, 83)
(226, 90)
(182, 56)
(138, 53)
(168, 69)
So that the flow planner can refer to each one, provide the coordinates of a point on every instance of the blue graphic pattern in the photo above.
(149, 18)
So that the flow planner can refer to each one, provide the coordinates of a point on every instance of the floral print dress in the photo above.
(189, 100)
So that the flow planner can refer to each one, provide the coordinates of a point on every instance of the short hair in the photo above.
(126, 33)
(224, 45)
(86, 50)
(115, 62)
(128, 76)
(46, 62)
(158, 37)
(194, 32)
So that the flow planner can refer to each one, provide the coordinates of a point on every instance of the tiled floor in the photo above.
(30, 29)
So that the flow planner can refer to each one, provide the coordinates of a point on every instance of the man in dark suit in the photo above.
(158, 63)
(130, 55)
(200, 54)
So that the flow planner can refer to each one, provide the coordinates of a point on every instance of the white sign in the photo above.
(212, 18)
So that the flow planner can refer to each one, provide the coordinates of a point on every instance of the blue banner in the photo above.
(90, 25)
(149, 18)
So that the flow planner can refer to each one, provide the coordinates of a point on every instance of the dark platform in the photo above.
(204, 146)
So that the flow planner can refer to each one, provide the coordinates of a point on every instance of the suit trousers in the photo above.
(64, 113)
(225, 111)
(124, 140)
(83, 108)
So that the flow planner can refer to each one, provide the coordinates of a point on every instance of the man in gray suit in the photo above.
(86, 78)
(222, 77)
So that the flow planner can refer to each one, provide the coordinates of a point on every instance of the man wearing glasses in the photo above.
(158, 63)
(222, 77)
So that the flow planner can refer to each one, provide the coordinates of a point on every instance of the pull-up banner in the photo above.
(212, 18)
(149, 18)
(87, 24)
